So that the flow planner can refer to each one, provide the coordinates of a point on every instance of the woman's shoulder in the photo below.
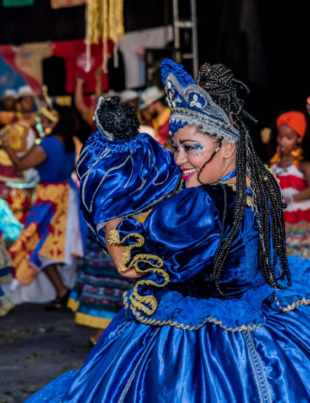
(53, 146)
(191, 203)
(209, 193)
(51, 141)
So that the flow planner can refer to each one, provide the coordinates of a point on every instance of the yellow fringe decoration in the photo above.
(104, 21)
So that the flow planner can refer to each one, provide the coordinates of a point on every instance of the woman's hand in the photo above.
(116, 252)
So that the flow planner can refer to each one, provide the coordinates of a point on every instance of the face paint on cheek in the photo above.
(196, 149)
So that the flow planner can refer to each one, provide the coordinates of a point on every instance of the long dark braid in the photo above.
(220, 83)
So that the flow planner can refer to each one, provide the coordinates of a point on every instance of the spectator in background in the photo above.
(132, 98)
(26, 100)
(9, 101)
(291, 165)
(25, 109)
(153, 105)
(87, 111)
(44, 256)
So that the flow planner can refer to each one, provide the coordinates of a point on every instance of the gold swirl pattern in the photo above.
(145, 303)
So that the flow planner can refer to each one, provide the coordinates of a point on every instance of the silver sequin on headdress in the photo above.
(191, 104)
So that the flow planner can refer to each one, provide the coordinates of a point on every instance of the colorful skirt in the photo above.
(298, 239)
(5, 279)
(98, 292)
(53, 234)
(10, 227)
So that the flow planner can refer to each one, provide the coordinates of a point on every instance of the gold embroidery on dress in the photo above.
(20, 251)
(168, 322)
(53, 247)
(294, 305)
(18, 198)
(145, 303)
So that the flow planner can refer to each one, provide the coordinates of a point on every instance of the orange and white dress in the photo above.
(297, 214)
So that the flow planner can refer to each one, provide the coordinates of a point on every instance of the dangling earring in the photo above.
(298, 152)
(48, 131)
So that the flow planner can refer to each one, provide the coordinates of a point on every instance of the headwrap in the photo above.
(295, 120)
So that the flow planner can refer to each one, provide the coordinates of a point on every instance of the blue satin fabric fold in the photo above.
(123, 177)
(136, 363)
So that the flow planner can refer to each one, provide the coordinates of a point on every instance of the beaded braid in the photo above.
(209, 160)
(220, 83)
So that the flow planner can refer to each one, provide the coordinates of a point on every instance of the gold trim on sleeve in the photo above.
(145, 303)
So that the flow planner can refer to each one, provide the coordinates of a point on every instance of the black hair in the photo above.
(67, 126)
(305, 144)
(220, 83)
(118, 119)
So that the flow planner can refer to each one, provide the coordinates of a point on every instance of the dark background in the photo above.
(266, 43)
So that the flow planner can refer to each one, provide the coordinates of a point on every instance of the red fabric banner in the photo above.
(74, 53)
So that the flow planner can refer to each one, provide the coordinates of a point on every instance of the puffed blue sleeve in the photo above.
(124, 177)
(183, 231)
(178, 240)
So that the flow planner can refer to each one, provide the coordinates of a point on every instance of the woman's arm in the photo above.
(98, 88)
(33, 158)
(304, 194)
(79, 100)
(116, 252)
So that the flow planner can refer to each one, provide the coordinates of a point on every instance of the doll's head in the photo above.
(116, 120)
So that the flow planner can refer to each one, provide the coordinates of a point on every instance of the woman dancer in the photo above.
(45, 253)
(217, 314)
(291, 165)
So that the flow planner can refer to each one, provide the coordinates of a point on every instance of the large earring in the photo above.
(48, 131)
(297, 153)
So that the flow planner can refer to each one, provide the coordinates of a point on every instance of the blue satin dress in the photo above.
(177, 340)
